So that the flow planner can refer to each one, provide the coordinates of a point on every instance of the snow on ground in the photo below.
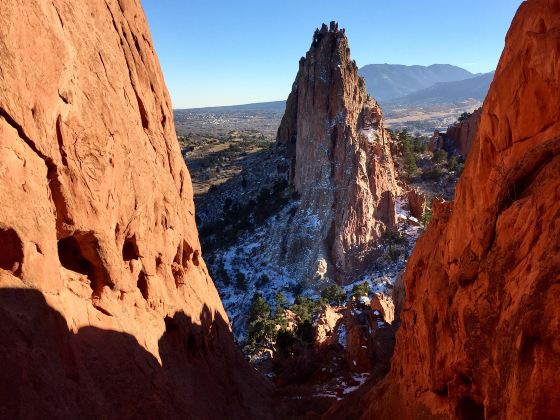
(250, 256)
(340, 387)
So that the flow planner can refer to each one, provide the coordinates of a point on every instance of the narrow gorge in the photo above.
(339, 285)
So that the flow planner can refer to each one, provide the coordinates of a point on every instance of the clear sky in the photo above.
(226, 52)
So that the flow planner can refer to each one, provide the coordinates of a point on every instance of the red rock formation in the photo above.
(416, 203)
(107, 306)
(384, 305)
(462, 133)
(480, 333)
(436, 141)
(341, 160)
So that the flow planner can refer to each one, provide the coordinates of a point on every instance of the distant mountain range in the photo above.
(278, 106)
(445, 93)
(390, 81)
(395, 85)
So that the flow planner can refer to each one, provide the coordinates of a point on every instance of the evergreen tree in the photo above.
(281, 302)
(262, 329)
(334, 295)
(361, 290)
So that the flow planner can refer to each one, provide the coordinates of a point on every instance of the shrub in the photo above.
(453, 165)
(285, 340)
(433, 174)
(281, 301)
(410, 166)
(419, 144)
(304, 308)
(361, 289)
(440, 155)
(361, 82)
(261, 333)
(334, 295)
(297, 289)
(427, 216)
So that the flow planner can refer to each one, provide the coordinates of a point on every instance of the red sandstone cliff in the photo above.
(462, 133)
(341, 162)
(481, 323)
(107, 307)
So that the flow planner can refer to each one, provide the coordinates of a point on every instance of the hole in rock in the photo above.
(71, 258)
(469, 409)
(81, 253)
(130, 249)
(187, 253)
(196, 258)
(11, 251)
(142, 284)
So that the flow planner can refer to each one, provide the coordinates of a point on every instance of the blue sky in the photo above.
(225, 52)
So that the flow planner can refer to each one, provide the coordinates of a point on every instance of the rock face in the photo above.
(107, 307)
(357, 333)
(481, 323)
(458, 137)
(462, 133)
(416, 203)
(341, 163)
(384, 305)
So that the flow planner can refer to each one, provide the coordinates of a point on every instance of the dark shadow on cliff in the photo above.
(47, 371)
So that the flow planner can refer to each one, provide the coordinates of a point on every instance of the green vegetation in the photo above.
(407, 144)
(432, 174)
(317, 36)
(334, 295)
(454, 165)
(262, 328)
(244, 217)
(361, 290)
(268, 331)
(440, 156)
(262, 281)
(281, 301)
(427, 216)
(361, 82)
(395, 240)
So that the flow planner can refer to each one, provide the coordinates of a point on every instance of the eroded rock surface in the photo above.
(341, 163)
(107, 306)
(480, 325)
(462, 133)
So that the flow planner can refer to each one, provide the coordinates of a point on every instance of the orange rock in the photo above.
(334, 137)
(481, 323)
(416, 203)
(462, 133)
(107, 306)
(384, 305)
(325, 326)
